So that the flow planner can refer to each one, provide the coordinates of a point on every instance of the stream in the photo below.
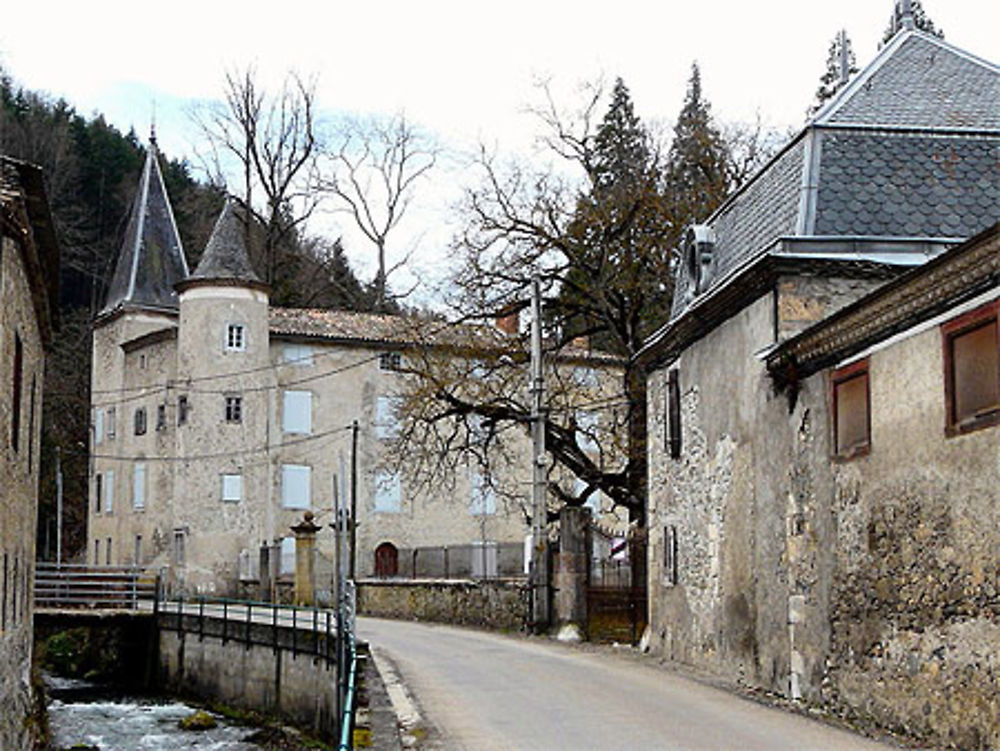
(81, 712)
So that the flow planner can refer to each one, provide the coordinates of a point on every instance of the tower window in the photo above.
(139, 420)
(234, 409)
(236, 340)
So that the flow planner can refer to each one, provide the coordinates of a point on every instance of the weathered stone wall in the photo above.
(914, 599)
(500, 605)
(19, 499)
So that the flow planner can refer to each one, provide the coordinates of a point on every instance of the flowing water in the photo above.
(133, 724)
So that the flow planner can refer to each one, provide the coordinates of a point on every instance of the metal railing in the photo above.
(70, 585)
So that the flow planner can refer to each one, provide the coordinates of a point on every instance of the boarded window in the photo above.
(973, 372)
(295, 486)
(483, 496)
(232, 488)
(387, 492)
(109, 490)
(386, 422)
(139, 486)
(851, 410)
(300, 355)
(297, 412)
(673, 416)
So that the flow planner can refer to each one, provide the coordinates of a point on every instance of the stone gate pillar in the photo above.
(572, 566)
(305, 560)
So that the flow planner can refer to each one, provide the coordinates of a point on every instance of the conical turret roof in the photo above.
(151, 260)
(225, 258)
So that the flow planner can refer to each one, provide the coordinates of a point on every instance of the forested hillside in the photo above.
(91, 171)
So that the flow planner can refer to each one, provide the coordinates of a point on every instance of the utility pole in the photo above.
(539, 507)
(354, 501)
(59, 505)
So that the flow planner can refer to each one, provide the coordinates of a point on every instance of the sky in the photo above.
(463, 72)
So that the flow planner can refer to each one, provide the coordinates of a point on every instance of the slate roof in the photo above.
(909, 150)
(225, 257)
(151, 260)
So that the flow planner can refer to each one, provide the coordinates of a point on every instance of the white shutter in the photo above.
(483, 497)
(299, 355)
(98, 426)
(297, 412)
(295, 482)
(109, 490)
(387, 492)
(232, 487)
(139, 486)
(287, 555)
(386, 422)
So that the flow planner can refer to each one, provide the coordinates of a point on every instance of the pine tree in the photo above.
(697, 174)
(921, 21)
(837, 72)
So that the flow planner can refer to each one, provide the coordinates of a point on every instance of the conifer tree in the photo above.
(921, 21)
(840, 65)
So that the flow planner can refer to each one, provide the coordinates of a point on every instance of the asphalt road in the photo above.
(481, 691)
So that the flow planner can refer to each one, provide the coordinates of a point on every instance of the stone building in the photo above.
(218, 420)
(773, 559)
(29, 261)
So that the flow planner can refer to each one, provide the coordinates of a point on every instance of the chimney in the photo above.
(509, 320)
(906, 13)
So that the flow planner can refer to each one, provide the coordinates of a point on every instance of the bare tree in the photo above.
(272, 138)
(376, 165)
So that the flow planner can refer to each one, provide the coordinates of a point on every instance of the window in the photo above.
(137, 551)
(182, 410)
(670, 555)
(287, 560)
(586, 423)
(139, 421)
(585, 377)
(972, 370)
(98, 426)
(387, 492)
(390, 361)
(300, 355)
(295, 482)
(139, 486)
(234, 409)
(482, 495)
(673, 416)
(851, 411)
(97, 552)
(236, 340)
(107, 555)
(161, 416)
(232, 487)
(142, 362)
(109, 490)
(15, 402)
(386, 424)
(97, 492)
(297, 412)
(112, 414)
(179, 547)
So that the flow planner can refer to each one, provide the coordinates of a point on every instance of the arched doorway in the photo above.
(386, 560)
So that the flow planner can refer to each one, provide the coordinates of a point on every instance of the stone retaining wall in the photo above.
(500, 604)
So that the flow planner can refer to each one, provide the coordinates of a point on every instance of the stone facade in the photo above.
(26, 252)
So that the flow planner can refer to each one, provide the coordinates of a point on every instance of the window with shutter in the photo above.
(387, 492)
(295, 486)
(139, 486)
(851, 410)
(673, 416)
(297, 412)
(972, 370)
(232, 488)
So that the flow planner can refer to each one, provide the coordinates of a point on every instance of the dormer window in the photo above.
(699, 247)
(236, 340)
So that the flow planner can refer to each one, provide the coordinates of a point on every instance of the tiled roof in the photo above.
(925, 83)
(151, 260)
(389, 330)
(225, 256)
(905, 185)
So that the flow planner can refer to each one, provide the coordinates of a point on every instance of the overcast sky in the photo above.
(461, 70)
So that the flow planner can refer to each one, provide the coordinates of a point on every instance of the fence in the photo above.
(69, 585)
(490, 560)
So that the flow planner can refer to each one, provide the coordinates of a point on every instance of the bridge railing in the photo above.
(69, 585)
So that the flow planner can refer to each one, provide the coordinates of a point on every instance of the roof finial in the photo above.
(152, 127)
(906, 15)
